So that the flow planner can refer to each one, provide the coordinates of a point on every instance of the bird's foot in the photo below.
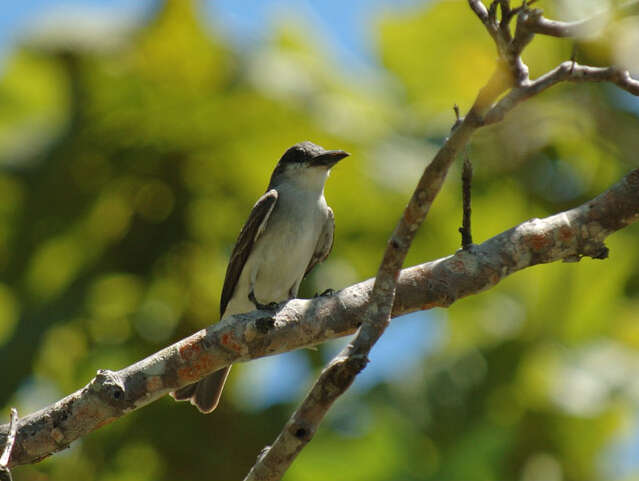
(328, 292)
(271, 306)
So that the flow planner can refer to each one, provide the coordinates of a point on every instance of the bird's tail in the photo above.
(204, 394)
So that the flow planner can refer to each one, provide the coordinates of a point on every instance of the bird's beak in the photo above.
(329, 158)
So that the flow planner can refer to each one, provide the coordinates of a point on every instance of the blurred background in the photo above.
(136, 136)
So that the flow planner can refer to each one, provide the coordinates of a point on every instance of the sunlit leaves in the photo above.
(441, 54)
(33, 106)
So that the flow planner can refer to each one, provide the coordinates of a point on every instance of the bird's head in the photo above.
(306, 162)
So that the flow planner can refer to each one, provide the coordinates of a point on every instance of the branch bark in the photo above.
(301, 323)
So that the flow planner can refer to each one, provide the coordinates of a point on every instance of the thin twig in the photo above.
(554, 28)
(484, 16)
(568, 71)
(467, 179)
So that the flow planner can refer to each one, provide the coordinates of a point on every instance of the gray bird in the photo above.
(288, 232)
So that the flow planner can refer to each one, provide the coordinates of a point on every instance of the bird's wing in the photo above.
(253, 228)
(324, 243)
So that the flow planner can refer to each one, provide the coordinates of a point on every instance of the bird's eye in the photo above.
(293, 155)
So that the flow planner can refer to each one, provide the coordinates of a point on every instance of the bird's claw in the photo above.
(271, 306)
(326, 293)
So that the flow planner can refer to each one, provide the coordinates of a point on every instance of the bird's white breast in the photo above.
(282, 253)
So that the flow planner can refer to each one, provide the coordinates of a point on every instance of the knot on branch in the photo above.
(528, 17)
(302, 430)
(264, 324)
(342, 371)
(632, 179)
(596, 250)
(109, 388)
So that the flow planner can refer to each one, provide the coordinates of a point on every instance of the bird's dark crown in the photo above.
(302, 152)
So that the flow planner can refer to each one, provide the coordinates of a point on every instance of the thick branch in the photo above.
(302, 323)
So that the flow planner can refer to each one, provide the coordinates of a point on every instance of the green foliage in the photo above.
(126, 174)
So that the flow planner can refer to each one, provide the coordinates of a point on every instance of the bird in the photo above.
(288, 232)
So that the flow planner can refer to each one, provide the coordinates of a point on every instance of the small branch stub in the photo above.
(467, 179)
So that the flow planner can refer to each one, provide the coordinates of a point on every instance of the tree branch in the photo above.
(567, 71)
(301, 323)
(538, 24)
(529, 22)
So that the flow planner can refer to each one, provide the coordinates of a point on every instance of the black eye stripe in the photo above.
(293, 155)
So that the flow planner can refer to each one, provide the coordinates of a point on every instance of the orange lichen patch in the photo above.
(206, 362)
(154, 383)
(457, 266)
(565, 233)
(227, 340)
(538, 242)
(187, 374)
(196, 370)
(190, 350)
(411, 216)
